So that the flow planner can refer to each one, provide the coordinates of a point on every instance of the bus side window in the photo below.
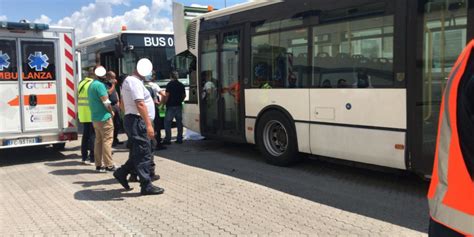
(360, 52)
(279, 60)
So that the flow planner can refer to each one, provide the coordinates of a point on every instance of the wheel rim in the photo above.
(275, 138)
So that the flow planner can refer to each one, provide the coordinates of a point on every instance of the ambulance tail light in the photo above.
(23, 26)
(68, 136)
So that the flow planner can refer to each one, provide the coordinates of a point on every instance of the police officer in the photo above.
(139, 114)
(84, 113)
(155, 92)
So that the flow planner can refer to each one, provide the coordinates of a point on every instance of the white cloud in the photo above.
(3, 18)
(114, 2)
(43, 19)
(96, 18)
(137, 19)
(161, 5)
(198, 5)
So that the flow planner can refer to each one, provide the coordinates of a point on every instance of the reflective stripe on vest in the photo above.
(451, 193)
(266, 86)
(162, 111)
(84, 111)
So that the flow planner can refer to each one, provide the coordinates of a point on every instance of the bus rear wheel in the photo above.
(276, 139)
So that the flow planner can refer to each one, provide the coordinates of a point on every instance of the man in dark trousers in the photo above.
(175, 95)
(157, 127)
(85, 117)
(115, 102)
(139, 114)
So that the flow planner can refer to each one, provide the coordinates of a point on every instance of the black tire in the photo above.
(276, 139)
(59, 146)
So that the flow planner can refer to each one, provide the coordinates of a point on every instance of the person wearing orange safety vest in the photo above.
(451, 192)
(84, 114)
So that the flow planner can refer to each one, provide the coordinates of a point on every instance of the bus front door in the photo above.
(221, 90)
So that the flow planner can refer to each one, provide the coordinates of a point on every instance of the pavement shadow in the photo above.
(87, 184)
(74, 148)
(29, 155)
(104, 195)
(73, 156)
(64, 163)
(394, 197)
(67, 172)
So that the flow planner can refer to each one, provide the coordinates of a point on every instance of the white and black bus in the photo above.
(357, 80)
(121, 51)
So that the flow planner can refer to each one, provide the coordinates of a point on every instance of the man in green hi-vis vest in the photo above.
(84, 114)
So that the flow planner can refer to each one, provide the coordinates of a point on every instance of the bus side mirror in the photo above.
(118, 48)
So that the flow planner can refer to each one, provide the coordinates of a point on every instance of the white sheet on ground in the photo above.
(192, 136)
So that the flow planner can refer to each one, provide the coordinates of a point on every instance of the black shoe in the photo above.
(152, 190)
(133, 179)
(154, 177)
(110, 169)
(100, 169)
(116, 143)
(179, 142)
(166, 143)
(160, 147)
(122, 180)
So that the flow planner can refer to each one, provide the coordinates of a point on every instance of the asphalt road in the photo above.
(391, 201)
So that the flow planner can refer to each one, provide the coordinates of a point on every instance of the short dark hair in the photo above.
(111, 73)
(174, 74)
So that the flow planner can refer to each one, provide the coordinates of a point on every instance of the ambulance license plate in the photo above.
(21, 141)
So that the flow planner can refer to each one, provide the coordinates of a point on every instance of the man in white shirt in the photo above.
(159, 95)
(139, 114)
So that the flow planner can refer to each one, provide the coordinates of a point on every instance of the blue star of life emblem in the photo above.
(4, 61)
(38, 61)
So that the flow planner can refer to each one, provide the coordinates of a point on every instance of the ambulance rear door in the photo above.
(39, 84)
(10, 109)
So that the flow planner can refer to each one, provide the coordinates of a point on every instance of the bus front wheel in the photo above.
(276, 139)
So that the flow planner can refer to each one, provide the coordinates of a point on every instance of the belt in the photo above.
(133, 115)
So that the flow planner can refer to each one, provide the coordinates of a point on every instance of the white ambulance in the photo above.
(37, 85)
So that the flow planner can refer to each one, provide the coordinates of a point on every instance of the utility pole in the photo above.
(225, 3)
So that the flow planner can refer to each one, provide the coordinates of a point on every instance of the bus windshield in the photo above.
(163, 60)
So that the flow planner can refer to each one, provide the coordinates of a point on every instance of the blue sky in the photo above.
(58, 9)
(91, 17)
